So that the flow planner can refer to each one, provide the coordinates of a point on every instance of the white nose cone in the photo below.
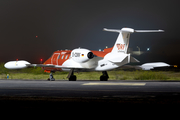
(16, 64)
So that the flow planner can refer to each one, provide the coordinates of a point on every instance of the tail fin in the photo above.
(122, 42)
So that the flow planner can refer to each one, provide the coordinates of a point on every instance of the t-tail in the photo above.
(119, 53)
(122, 43)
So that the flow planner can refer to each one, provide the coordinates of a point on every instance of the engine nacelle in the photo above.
(16, 64)
(81, 55)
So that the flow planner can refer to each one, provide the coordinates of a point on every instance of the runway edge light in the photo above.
(175, 66)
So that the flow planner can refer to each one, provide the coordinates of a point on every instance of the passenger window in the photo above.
(59, 56)
(62, 57)
(66, 56)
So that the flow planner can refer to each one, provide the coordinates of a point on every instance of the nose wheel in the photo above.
(51, 78)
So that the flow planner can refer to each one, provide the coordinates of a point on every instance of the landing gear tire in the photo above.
(51, 78)
(103, 78)
(72, 78)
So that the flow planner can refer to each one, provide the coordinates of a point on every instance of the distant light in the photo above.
(99, 49)
(36, 36)
(148, 49)
(41, 61)
(16, 59)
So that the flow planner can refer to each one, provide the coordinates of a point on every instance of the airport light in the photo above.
(139, 50)
(41, 60)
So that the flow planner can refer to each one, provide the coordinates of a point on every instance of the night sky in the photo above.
(34, 29)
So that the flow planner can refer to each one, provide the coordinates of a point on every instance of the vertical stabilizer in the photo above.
(122, 42)
(119, 51)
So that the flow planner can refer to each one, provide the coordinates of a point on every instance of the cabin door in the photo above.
(54, 59)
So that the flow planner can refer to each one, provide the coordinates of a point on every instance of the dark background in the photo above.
(34, 29)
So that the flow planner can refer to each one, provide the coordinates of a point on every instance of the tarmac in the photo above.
(41, 93)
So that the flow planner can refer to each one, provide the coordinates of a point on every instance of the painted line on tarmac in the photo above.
(128, 84)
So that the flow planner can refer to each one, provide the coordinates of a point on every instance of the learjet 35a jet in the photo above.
(81, 59)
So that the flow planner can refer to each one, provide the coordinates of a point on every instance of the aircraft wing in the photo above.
(39, 65)
(24, 64)
(48, 65)
(147, 66)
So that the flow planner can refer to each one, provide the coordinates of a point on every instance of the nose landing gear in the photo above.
(72, 77)
(51, 78)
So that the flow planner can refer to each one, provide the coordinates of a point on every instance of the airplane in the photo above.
(81, 59)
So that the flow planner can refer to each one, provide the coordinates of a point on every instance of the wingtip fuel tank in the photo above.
(16, 64)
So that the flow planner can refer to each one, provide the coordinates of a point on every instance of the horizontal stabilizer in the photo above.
(130, 30)
(149, 31)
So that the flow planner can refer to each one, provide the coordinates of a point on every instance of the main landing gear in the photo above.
(104, 76)
(71, 75)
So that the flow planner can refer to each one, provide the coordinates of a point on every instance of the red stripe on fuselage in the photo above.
(58, 58)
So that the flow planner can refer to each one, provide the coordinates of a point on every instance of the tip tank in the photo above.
(16, 64)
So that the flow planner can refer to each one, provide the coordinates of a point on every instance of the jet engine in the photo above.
(81, 55)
